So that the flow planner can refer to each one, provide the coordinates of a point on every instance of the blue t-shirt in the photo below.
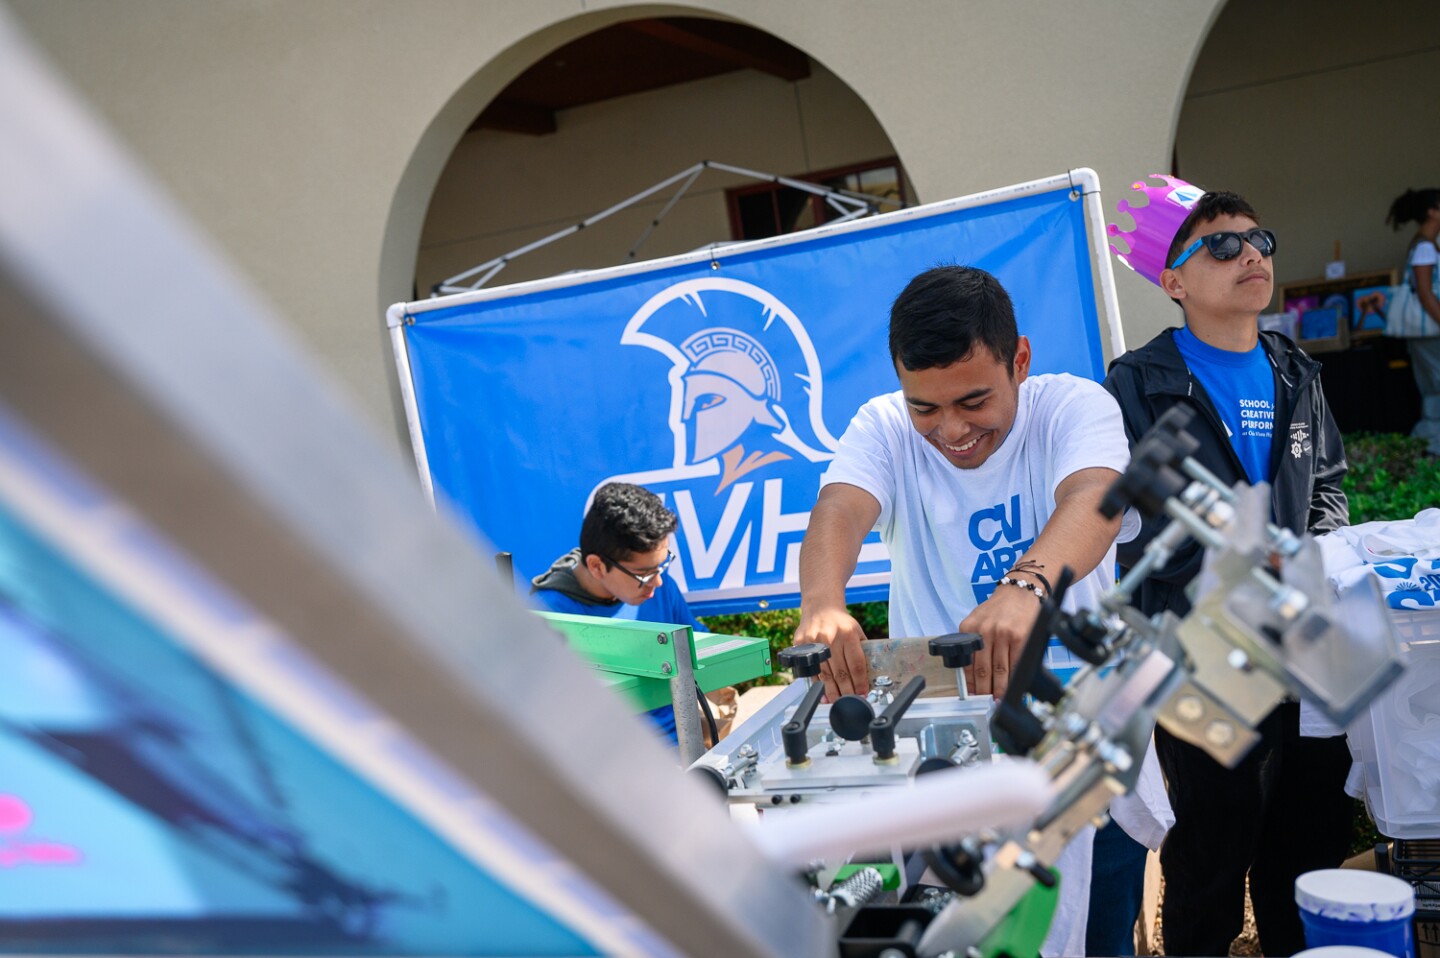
(1242, 386)
(666, 607)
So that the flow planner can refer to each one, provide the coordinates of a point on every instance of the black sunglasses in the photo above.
(648, 577)
(1228, 245)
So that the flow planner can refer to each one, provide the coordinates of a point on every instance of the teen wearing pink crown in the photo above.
(1261, 417)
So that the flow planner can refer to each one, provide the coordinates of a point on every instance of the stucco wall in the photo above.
(308, 137)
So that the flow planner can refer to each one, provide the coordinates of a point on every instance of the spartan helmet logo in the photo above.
(745, 385)
(730, 386)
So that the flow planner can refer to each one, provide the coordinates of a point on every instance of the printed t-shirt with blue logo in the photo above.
(952, 533)
(1242, 387)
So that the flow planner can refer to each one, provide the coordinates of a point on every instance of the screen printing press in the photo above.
(274, 701)
(1264, 626)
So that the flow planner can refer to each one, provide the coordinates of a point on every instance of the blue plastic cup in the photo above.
(1343, 906)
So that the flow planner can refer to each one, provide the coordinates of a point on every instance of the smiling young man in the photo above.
(982, 480)
(618, 571)
(1260, 417)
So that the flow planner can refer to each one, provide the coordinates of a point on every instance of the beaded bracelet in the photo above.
(1022, 584)
(1032, 568)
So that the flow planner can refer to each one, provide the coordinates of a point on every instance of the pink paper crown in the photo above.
(1157, 212)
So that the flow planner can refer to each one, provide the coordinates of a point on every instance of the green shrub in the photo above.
(779, 626)
(1390, 477)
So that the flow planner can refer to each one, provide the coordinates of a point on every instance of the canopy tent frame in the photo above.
(849, 205)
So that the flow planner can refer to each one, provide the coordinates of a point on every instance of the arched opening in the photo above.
(1320, 114)
(610, 113)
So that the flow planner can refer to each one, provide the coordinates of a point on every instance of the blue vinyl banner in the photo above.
(720, 380)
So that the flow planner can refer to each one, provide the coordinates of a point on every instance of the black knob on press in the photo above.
(933, 764)
(960, 866)
(1046, 687)
(1175, 425)
(1118, 497)
(1015, 728)
(1171, 433)
(956, 650)
(1084, 634)
(803, 661)
(1182, 447)
(1154, 474)
(1147, 482)
(851, 716)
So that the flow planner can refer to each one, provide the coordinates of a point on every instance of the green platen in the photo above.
(1023, 931)
(631, 658)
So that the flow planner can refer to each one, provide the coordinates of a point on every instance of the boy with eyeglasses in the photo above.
(1260, 417)
(618, 570)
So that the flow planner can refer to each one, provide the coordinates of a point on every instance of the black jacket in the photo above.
(1307, 458)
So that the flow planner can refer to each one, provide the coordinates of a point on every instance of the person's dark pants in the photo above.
(1117, 890)
(1278, 814)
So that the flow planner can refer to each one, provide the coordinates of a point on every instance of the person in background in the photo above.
(1422, 207)
(1260, 416)
(618, 570)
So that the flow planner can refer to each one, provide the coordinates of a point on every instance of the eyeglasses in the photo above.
(648, 577)
(1228, 245)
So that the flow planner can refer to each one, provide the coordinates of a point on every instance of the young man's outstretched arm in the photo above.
(843, 516)
(1077, 536)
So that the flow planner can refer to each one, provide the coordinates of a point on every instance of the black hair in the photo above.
(944, 312)
(1210, 207)
(1412, 206)
(624, 520)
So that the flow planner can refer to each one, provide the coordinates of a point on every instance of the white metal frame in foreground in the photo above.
(164, 378)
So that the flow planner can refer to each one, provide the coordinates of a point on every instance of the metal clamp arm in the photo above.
(795, 733)
(882, 728)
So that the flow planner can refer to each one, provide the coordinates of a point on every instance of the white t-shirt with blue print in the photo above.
(952, 533)
(1242, 387)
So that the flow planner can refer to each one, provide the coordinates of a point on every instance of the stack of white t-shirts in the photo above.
(1403, 557)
